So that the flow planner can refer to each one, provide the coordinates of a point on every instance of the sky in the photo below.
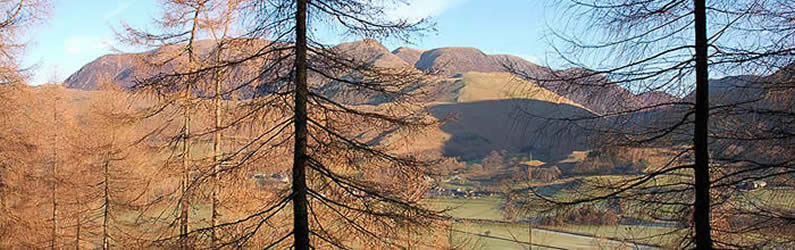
(79, 31)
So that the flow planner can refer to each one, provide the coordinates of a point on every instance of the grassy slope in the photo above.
(483, 208)
(479, 86)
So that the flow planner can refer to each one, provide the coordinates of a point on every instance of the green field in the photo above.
(475, 229)
(484, 208)
(772, 197)
(517, 236)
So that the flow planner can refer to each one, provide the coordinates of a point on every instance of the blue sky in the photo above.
(79, 31)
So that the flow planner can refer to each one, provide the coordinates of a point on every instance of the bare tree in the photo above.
(196, 8)
(674, 46)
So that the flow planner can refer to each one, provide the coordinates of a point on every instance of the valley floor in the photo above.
(479, 225)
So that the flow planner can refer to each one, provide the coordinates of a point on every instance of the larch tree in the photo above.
(180, 27)
(348, 186)
(212, 75)
(57, 169)
(16, 16)
(673, 46)
(345, 191)
(117, 182)
(219, 27)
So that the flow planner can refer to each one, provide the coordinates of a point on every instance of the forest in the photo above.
(665, 124)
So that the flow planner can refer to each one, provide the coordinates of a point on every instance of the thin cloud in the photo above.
(115, 12)
(532, 59)
(418, 9)
(78, 45)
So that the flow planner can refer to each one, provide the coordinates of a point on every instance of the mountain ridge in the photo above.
(447, 61)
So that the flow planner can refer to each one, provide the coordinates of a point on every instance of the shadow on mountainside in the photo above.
(514, 125)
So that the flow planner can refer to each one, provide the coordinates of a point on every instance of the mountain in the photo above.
(596, 92)
(370, 51)
(652, 98)
(593, 91)
(125, 68)
(365, 52)
(732, 89)
(409, 55)
(492, 109)
(452, 60)
(498, 111)
(480, 86)
(116, 67)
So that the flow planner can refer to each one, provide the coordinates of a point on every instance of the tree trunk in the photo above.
(217, 153)
(701, 207)
(106, 210)
(184, 203)
(217, 141)
(216, 161)
(77, 233)
(300, 217)
(54, 190)
(186, 146)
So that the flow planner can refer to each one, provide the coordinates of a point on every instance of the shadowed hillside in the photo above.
(483, 126)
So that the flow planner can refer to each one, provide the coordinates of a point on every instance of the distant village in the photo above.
(458, 193)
